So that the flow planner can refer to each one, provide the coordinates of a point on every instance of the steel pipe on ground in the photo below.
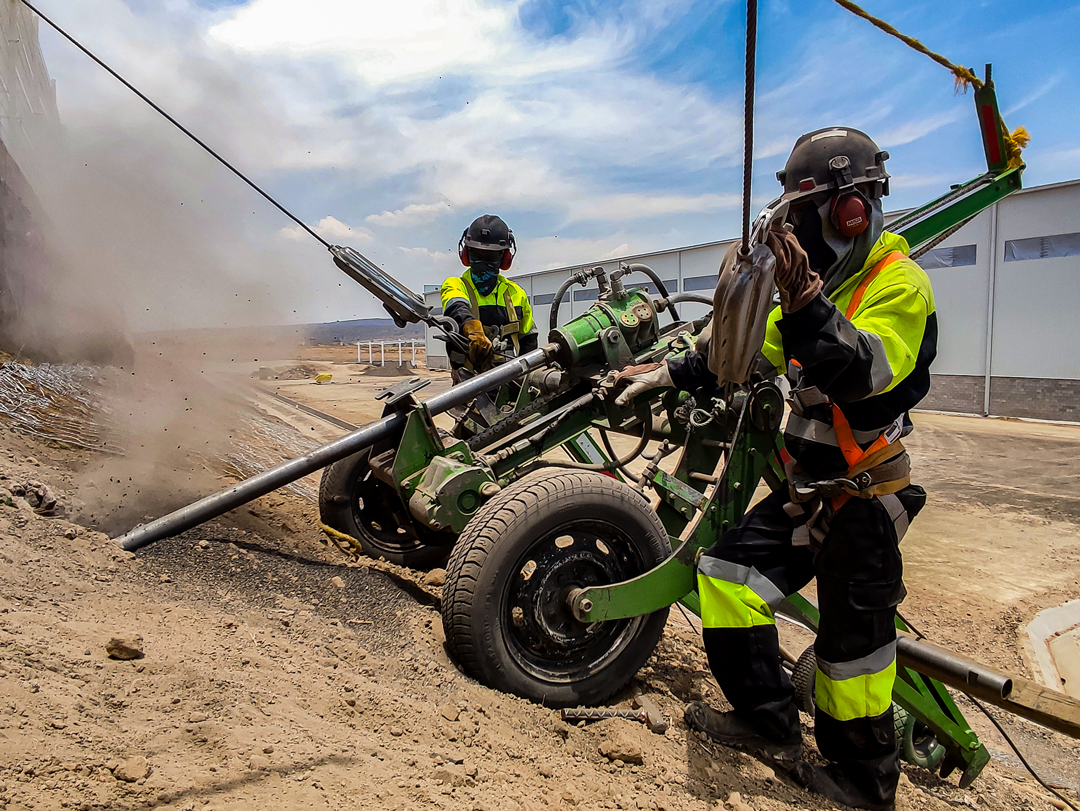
(1016, 695)
(250, 489)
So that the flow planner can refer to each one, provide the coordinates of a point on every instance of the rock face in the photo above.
(125, 647)
(132, 770)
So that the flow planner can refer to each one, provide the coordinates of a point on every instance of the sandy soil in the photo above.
(279, 673)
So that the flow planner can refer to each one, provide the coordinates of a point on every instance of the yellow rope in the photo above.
(341, 536)
(1015, 141)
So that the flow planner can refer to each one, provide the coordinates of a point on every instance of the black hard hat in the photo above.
(488, 233)
(834, 158)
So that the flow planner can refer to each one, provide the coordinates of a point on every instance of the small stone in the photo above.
(449, 775)
(449, 712)
(71, 533)
(396, 732)
(204, 544)
(58, 724)
(436, 577)
(166, 579)
(258, 763)
(268, 750)
(736, 802)
(132, 770)
(125, 647)
(337, 581)
(620, 747)
(197, 717)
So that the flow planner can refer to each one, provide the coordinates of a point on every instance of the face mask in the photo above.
(485, 276)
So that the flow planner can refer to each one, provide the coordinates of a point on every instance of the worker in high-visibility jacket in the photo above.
(855, 332)
(493, 312)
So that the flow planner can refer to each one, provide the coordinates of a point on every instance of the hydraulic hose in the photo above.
(661, 288)
(623, 469)
(696, 298)
(606, 467)
(553, 319)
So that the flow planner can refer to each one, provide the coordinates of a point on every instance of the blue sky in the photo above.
(596, 129)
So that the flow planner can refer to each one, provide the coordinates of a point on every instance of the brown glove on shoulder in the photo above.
(798, 284)
(481, 352)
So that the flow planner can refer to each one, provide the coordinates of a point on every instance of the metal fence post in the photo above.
(382, 351)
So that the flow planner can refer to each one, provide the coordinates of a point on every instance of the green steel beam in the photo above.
(964, 208)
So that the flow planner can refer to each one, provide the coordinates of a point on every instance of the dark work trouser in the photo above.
(741, 580)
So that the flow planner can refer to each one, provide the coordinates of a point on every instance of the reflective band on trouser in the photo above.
(735, 596)
(858, 689)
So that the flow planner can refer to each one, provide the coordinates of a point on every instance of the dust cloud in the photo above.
(162, 266)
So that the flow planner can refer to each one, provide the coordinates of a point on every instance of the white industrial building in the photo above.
(1007, 288)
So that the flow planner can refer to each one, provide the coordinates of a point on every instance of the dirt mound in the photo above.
(301, 372)
(390, 370)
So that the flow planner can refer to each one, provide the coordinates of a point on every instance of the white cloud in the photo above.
(392, 43)
(330, 228)
(414, 214)
(636, 206)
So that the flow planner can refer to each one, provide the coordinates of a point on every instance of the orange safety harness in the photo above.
(857, 458)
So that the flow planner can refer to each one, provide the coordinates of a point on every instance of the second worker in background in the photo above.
(493, 312)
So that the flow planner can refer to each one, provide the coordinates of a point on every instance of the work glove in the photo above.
(798, 284)
(481, 352)
(641, 379)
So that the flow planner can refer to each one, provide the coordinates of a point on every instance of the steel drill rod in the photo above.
(952, 669)
(259, 485)
(1014, 694)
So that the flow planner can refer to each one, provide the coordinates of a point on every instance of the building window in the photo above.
(542, 299)
(700, 283)
(957, 256)
(586, 295)
(672, 286)
(1050, 247)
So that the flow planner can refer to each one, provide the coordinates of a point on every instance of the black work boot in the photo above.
(731, 730)
(830, 781)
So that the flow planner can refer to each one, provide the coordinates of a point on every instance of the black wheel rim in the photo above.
(381, 518)
(540, 631)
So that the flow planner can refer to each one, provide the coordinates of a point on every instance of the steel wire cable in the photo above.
(175, 123)
(748, 119)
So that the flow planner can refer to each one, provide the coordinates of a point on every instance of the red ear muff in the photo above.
(849, 215)
(508, 254)
(462, 251)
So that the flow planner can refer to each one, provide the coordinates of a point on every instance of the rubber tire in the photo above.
(491, 551)
(802, 676)
(928, 753)
(337, 490)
